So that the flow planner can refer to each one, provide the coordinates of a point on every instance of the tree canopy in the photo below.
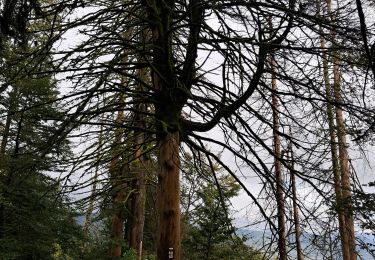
(283, 90)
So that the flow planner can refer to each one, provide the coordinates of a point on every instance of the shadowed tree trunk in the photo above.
(141, 163)
(118, 169)
(119, 194)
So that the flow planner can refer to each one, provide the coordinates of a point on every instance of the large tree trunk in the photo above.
(170, 95)
(168, 194)
(278, 168)
(168, 104)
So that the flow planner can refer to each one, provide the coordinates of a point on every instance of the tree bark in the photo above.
(295, 206)
(168, 194)
(117, 168)
(346, 203)
(339, 166)
(141, 166)
(138, 210)
(278, 168)
(117, 222)
(333, 145)
(118, 202)
(169, 100)
(336, 169)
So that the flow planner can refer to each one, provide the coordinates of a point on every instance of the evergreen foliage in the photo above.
(208, 228)
(35, 219)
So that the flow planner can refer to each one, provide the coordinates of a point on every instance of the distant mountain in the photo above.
(314, 247)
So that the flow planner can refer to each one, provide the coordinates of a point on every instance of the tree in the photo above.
(208, 231)
(281, 229)
(172, 86)
(14, 16)
(296, 217)
(35, 218)
(37, 223)
(339, 153)
(188, 99)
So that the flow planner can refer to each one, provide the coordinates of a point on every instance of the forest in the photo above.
(187, 129)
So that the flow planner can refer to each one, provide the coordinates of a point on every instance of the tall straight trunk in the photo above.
(333, 145)
(344, 163)
(168, 194)
(345, 202)
(336, 168)
(168, 104)
(119, 194)
(278, 168)
(117, 172)
(295, 206)
(138, 208)
(141, 166)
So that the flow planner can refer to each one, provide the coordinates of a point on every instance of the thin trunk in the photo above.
(334, 153)
(119, 193)
(138, 209)
(344, 163)
(90, 207)
(336, 169)
(335, 165)
(295, 206)
(141, 166)
(278, 169)
(168, 194)
(116, 172)
(345, 202)
(117, 222)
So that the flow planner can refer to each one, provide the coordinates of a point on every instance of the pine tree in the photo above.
(35, 220)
